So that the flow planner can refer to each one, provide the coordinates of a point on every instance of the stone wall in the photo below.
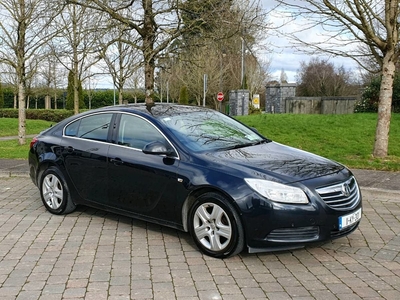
(276, 94)
(239, 102)
(281, 98)
(320, 105)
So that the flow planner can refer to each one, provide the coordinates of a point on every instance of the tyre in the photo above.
(215, 226)
(54, 192)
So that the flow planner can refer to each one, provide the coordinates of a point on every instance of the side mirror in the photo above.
(157, 148)
(254, 129)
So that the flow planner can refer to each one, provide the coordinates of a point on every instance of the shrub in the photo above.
(184, 95)
(1, 96)
(370, 97)
(253, 110)
(51, 115)
(70, 92)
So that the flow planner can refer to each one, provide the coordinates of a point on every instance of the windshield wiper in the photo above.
(263, 141)
(243, 145)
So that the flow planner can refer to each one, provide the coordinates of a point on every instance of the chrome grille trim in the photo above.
(342, 196)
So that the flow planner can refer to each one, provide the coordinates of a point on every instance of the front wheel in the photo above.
(215, 226)
(54, 192)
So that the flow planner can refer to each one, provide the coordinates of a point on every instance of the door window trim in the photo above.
(115, 133)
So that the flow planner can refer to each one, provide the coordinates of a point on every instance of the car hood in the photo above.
(275, 160)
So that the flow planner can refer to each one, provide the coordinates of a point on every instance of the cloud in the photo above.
(285, 56)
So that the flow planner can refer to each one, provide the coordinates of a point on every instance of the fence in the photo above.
(320, 105)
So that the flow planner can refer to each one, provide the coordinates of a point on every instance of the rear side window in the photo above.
(93, 127)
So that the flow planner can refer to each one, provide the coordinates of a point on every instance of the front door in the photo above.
(141, 183)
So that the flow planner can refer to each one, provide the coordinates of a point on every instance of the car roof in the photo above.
(156, 110)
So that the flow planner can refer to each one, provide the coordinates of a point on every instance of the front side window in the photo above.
(93, 127)
(136, 132)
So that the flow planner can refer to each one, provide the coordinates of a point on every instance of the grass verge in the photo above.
(348, 139)
(9, 126)
(10, 149)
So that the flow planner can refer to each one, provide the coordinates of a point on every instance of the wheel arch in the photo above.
(43, 167)
(48, 164)
(187, 205)
(66, 205)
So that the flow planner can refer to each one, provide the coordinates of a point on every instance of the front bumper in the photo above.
(272, 226)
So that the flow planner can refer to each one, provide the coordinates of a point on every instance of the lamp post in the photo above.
(242, 72)
(223, 54)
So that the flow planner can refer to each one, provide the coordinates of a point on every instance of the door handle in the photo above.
(70, 149)
(116, 161)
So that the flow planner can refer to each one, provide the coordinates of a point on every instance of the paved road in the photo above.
(91, 254)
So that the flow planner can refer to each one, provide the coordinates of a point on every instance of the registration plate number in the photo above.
(350, 219)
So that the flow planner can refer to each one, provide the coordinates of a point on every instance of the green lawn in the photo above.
(347, 139)
(9, 127)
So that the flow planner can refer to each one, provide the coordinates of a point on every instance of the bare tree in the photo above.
(51, 76)
(190, 72)
(372, 23)
(134, 82)
(223, 47)
(121, 59)
(319, 77)
(156, 22)
(24, 29)
(283, 77)
(257, 74)
(76, 46)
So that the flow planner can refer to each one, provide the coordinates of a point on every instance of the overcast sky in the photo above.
(284, 57)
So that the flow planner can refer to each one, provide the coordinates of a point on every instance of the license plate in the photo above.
(349, 219)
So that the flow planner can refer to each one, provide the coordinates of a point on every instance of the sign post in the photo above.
(256, 101)
(205, 78)
(220, 98)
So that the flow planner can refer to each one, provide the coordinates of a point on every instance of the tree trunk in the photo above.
(20, 70)
(148, 35)
(384, 108)
(120, 96)
(21, 114)
(75, 66)
(76, 93)
(149, 81)
(47, 102)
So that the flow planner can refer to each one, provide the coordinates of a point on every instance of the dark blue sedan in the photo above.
(196, 170)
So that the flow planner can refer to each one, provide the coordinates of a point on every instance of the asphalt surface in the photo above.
(91, 254)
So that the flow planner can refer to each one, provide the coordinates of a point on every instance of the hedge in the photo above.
(51, 115)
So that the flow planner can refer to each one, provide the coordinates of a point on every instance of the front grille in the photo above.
(301, 234)
(341, 196)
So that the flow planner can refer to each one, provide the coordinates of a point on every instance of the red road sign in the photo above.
(220, 96)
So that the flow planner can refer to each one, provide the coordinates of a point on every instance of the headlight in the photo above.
(277, 192)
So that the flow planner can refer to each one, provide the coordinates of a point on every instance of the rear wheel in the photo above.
(54, 192)
(215, 226)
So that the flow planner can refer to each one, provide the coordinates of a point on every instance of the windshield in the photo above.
(210, 130)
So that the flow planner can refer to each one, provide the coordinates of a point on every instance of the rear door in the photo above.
(85, 148)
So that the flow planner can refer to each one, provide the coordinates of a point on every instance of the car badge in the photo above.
(346, 190)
